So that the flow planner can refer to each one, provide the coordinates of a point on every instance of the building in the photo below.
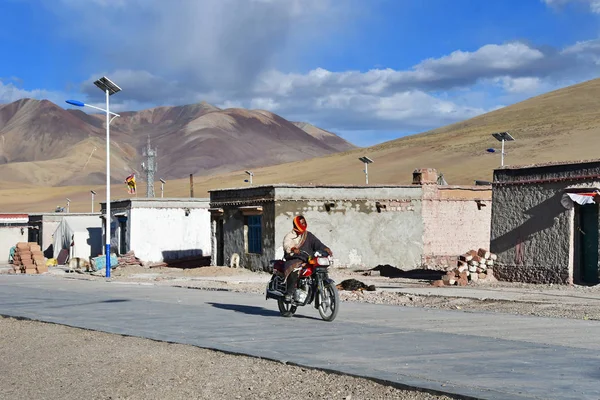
(545, 222)
(13, 229)
(411, 226)
(42, 227)
(160, 229)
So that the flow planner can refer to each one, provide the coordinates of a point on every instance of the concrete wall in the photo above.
(359, 235)
(168, 233)
(456, 220)
(9, 237)
(531, 231)
(162, 229)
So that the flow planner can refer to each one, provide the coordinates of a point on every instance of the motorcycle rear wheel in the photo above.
(286, 309)
(329, 303)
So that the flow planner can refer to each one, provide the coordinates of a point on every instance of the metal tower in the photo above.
(149, 168)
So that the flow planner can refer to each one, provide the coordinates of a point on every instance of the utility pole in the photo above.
(191, 185)
(149, 168)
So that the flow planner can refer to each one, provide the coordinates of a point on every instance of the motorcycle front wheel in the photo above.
(286, 309)
(329, 302)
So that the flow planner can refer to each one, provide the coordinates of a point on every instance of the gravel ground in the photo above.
(48, 361)
(575, 302)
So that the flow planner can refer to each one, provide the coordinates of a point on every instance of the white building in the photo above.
(13, 229)
(160, 229)
(43, 226)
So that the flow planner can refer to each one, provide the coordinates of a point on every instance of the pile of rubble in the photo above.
(129, 259)
(29, 259)
(472, 266)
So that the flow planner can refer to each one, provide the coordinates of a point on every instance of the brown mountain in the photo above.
(44, 144)
(328, 137)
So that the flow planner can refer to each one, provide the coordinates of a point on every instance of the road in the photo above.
(483, 355)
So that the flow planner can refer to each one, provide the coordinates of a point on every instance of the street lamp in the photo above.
(109, 88)
(250, 174)
(501, 137)
(367, 161)
(93, 194)
(68, 203)
(162, 187)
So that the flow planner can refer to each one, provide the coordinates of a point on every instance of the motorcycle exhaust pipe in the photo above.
(274, 294)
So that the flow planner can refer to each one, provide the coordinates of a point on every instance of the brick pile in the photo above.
(29, 259)
(471, 266)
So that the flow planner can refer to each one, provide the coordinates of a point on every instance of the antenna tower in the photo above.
(149, 168)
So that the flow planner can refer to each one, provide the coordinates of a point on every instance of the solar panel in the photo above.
(500, 136)
(106, 84)
(366, 160)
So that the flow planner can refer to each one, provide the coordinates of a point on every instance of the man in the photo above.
(296, 245)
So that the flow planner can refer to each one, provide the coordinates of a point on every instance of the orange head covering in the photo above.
(300, 224)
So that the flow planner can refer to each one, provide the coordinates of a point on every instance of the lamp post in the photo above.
(250, 174)
(68, 204)
(367, 161)
(162, 187)
(502, 137)
(109, 88)
(93, 194)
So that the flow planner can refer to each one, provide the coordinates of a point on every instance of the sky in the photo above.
(369, 70)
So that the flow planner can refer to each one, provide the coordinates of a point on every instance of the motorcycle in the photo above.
(314, 285)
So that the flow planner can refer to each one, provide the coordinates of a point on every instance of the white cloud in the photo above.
(520, 85)
(9, 92)
(246, 53)
(594, 5)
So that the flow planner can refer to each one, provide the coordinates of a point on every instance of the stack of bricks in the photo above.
(29, 259)
(471, 266)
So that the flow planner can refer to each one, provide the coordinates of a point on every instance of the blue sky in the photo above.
(371, 70)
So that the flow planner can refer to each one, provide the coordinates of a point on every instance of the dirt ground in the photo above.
(559, 301)
(48, 361)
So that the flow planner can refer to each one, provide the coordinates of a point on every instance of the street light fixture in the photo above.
(68, 204)
(162, 187)
(93, 194)
(502, 137)
(250, 174)
(109, 88)
(367, 161)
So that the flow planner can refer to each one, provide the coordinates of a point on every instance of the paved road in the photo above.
(484, 355)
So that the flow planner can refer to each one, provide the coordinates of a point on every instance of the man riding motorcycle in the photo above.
(296, 244)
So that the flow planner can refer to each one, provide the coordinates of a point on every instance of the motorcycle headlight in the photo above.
(323, 261)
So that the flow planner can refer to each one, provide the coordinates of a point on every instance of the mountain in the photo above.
(43, 144)
(325, 136)
(558, 126)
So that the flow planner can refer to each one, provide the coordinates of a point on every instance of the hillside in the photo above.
(557, 126)
(43, 144)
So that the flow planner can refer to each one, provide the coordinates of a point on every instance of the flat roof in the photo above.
(13, 216)
(160, 200)
(548, 164)
(286, 185)
(292, 186)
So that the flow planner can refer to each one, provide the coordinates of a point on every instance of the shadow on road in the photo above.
(90, 303)
(253, 310)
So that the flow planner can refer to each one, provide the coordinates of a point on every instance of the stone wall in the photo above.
(455, 219)
(531, 231)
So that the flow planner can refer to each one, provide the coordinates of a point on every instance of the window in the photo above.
(254, 238)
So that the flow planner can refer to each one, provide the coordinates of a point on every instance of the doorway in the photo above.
(220, 245)
(123, 235)
(586, 244)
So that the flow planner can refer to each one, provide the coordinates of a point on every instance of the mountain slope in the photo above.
(325, 136)
(557, 126)
(40, 142)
